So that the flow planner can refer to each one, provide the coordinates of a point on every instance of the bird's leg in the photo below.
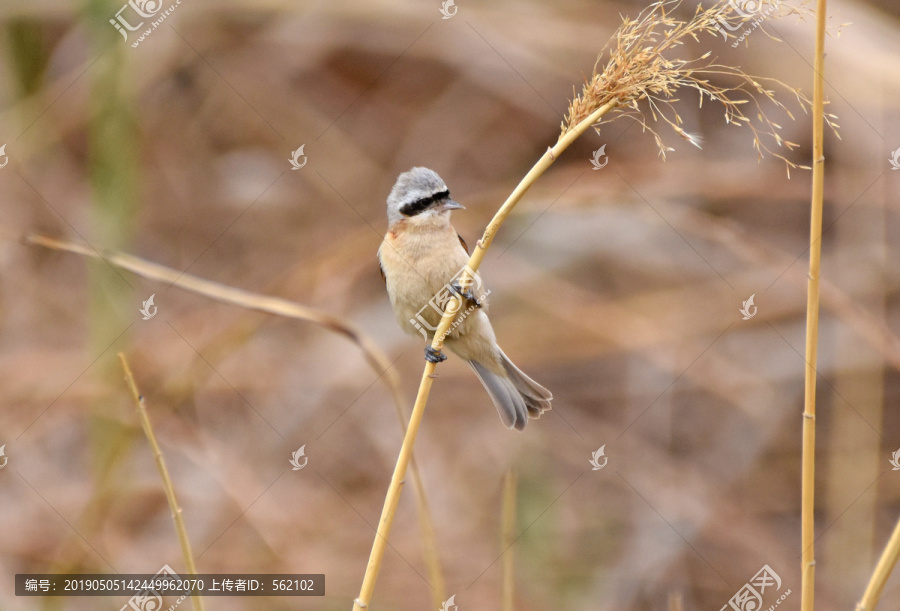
(467, 294)
(434, 356)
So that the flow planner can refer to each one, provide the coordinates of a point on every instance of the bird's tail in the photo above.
(516, 396)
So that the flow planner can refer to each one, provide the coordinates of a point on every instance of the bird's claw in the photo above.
(467, 294)
(434, 356)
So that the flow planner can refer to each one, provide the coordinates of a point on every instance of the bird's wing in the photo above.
(381, 269)
(463, 242)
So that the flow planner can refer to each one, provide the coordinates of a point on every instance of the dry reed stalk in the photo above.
(280, 307)
(636, 72)
(808, 470)
(235, 296)
(507, 538)
(196, 601)
(883, 570)
(392, 498)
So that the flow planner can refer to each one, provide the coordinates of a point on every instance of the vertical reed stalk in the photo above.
(639, 81)
(177, 517)
(808, 484)
(508, 537)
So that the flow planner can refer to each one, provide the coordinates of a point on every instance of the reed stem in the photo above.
(392, 498)
(177, 517)
(808, 473)
(883, 570)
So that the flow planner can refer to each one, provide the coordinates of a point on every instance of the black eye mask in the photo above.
(420, 205)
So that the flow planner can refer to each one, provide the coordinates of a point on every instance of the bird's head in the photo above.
(419, 195)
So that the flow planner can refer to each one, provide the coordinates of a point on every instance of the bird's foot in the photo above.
(434, 356)
(467, 294)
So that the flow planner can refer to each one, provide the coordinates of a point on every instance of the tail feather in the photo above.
(537, 398)
(516, 396)
(510, 404)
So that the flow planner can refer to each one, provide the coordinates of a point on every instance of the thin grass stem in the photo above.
(508, 537)
(177, 517)
(280, 307)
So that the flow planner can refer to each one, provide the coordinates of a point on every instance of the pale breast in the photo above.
(419, 262)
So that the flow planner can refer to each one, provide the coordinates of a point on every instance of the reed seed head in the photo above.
(643, 73)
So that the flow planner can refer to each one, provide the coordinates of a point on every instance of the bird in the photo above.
(420, 259)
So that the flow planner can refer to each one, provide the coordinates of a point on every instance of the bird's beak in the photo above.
(449, 204)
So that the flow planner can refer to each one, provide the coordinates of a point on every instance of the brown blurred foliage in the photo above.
(618, 289)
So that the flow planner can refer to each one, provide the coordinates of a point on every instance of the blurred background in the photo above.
(619, 289)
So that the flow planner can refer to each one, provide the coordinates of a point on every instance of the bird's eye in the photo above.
(420, 205)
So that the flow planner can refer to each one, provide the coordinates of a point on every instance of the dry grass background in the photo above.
(618, 289)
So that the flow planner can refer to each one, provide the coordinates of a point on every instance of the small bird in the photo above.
(420, 256)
